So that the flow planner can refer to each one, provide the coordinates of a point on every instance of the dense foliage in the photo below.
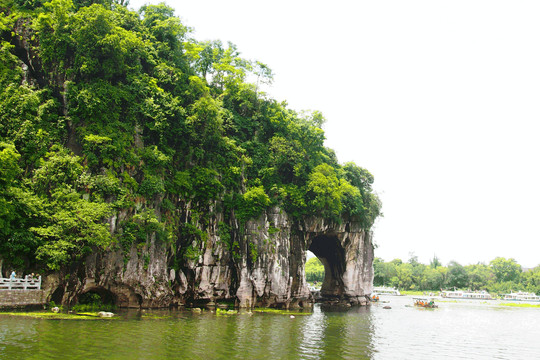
(500, 276)
(108, 114)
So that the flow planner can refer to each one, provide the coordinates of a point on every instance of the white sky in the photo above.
(439, 100)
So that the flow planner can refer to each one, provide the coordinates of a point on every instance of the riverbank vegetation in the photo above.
(56, 315)
(314, 270)
(500, 276)
(118, 128)
(282, 311)
(521, 305)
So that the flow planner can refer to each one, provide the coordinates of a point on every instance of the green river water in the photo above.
(456, 330)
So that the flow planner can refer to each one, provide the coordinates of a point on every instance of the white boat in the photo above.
(521, 296)
(386, 291)
(458, 294)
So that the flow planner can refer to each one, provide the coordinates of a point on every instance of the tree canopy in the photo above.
(105, 111)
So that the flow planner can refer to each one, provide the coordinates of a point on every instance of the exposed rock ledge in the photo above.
(266, 269)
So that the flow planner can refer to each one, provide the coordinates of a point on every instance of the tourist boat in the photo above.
(425, 303)
(374, 297)
(458, 294)
(386, 291)
(521, 296)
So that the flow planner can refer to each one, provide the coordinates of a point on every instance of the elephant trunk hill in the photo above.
(142, 166)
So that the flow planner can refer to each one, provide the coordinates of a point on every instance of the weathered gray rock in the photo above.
(264, 267)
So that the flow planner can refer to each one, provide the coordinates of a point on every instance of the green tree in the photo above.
(330, 195)
(432, 279)
(435, 263)
(255, 200)
(396, 262)
(19, 209)
(404, 277)
(384, 272)
(457, 275)
(505, 269)
(480, 276)
(73, 223)
(369, 208)
(324, 187)
(531, 280)
(314, 270)
(9, 171)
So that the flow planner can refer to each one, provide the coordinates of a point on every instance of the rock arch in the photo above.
(277, 277)
(346, 251)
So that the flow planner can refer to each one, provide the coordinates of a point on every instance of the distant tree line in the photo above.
(314, 270)
(500, 276)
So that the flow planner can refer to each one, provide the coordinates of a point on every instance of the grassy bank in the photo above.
(521, 305)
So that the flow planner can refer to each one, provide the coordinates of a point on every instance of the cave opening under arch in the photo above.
(97, 295)
(331, 253)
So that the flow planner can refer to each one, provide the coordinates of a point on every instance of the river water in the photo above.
(456, 330)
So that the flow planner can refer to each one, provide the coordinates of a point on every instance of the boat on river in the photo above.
(467, 295)
(425, 303)
(386, 291)
(521, 296)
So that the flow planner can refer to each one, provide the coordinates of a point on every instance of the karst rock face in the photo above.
(261, 264)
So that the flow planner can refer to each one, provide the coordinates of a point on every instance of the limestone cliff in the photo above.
(266, 268)
(153, 180)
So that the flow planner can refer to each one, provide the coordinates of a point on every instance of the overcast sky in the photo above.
(439, 100)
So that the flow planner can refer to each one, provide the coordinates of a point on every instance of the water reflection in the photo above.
(9, 331)
(337, 334)
(312, 334)
(471, 331)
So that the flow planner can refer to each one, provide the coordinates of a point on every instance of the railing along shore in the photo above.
(28, 283)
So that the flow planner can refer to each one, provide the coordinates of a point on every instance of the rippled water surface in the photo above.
(456, 330)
